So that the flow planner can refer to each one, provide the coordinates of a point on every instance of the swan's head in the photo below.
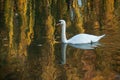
(61, 22)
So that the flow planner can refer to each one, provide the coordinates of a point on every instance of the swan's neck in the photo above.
(64, 39)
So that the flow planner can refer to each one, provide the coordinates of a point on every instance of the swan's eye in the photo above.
(59, 22)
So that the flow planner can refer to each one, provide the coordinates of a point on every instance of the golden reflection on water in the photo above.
(43, 61)
(29, 52)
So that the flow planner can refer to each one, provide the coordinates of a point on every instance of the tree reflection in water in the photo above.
(26, 23)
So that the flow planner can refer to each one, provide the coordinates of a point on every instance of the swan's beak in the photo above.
(58, 24)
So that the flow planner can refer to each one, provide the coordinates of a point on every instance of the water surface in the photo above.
(30, 46)
(56, 61)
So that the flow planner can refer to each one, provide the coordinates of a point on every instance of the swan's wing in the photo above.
(83, 38)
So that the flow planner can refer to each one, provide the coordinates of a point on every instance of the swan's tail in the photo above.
(101, 36)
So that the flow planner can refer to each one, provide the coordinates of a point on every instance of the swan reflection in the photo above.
(86, 46)
(63, 53)
(80, 46)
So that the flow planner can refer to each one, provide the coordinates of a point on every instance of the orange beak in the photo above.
(58, 24)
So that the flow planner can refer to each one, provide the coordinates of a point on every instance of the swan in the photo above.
(79, 38)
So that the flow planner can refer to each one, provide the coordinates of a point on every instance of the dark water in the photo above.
(56, 61)
(25, 58)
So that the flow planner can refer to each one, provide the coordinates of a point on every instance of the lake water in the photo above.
(56, 61)
(49, 59)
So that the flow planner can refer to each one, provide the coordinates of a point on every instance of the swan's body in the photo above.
(78, 39)
(84, 38)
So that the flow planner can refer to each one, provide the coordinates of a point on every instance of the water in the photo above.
(34, 52)
(56, 61)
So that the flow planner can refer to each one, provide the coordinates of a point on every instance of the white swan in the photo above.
(77, 39)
